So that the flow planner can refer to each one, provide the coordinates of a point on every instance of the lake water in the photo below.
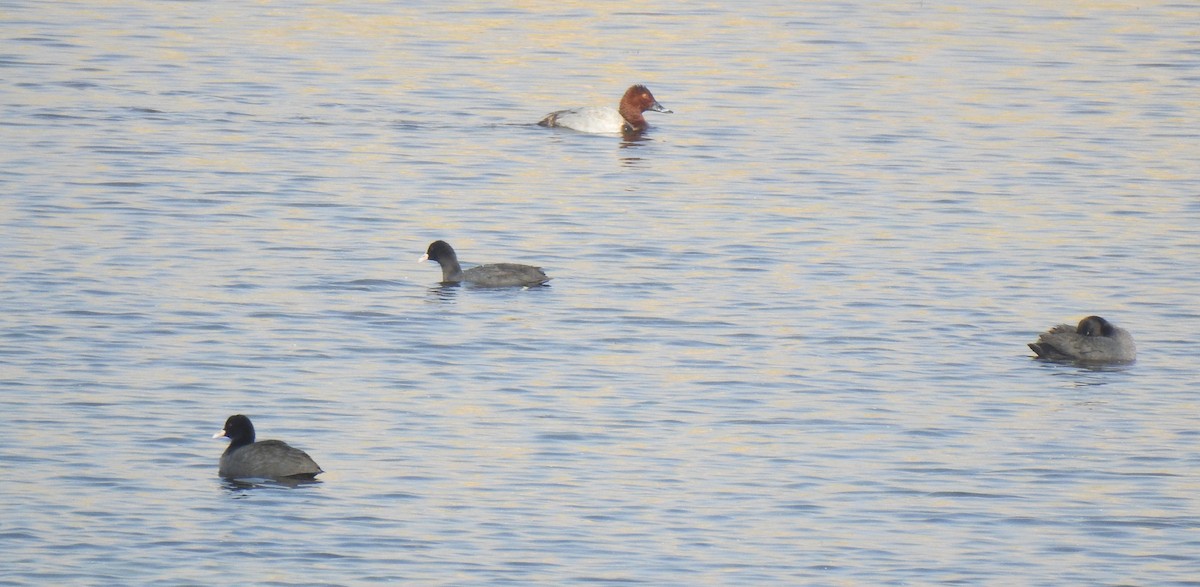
(785, 339)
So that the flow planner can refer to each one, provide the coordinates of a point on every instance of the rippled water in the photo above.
(785, 340)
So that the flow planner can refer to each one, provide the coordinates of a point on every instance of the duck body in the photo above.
(627, 118)
(492, 275)
(1093, 340)
(589, 119)
(266, 459)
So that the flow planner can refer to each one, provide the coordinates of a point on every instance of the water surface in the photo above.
(785, 339)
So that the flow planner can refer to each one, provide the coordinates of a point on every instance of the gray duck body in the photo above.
(1093, 340)
(491, 275)
(269, 459)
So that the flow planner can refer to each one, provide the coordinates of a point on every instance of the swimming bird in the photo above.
(493, 275)
(1094, 340)
(269, 459)
(602, 119)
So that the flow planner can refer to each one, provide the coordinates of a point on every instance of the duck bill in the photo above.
(423, 258)
(219, 434)
(660, 108)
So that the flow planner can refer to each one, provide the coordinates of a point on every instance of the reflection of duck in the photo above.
(1095, 340)
(602, 119)
(494, 275)
(265, 459)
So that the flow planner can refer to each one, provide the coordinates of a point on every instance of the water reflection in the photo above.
(631, 141)
(1083, 374)
(444, 292)
(239, 486)
(757, 344)
(449, 291)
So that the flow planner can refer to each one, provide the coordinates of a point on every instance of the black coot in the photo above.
(494, 275)
(1093, 340)
(270, 459)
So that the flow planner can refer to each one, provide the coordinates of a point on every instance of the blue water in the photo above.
(785, 338)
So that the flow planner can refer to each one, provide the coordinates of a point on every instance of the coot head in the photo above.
(439, 252)
(1094, 326)
(238, 429)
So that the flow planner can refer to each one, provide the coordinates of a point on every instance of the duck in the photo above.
(265, 459)
(493, 275)
(627, 118)
(1093, 340)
